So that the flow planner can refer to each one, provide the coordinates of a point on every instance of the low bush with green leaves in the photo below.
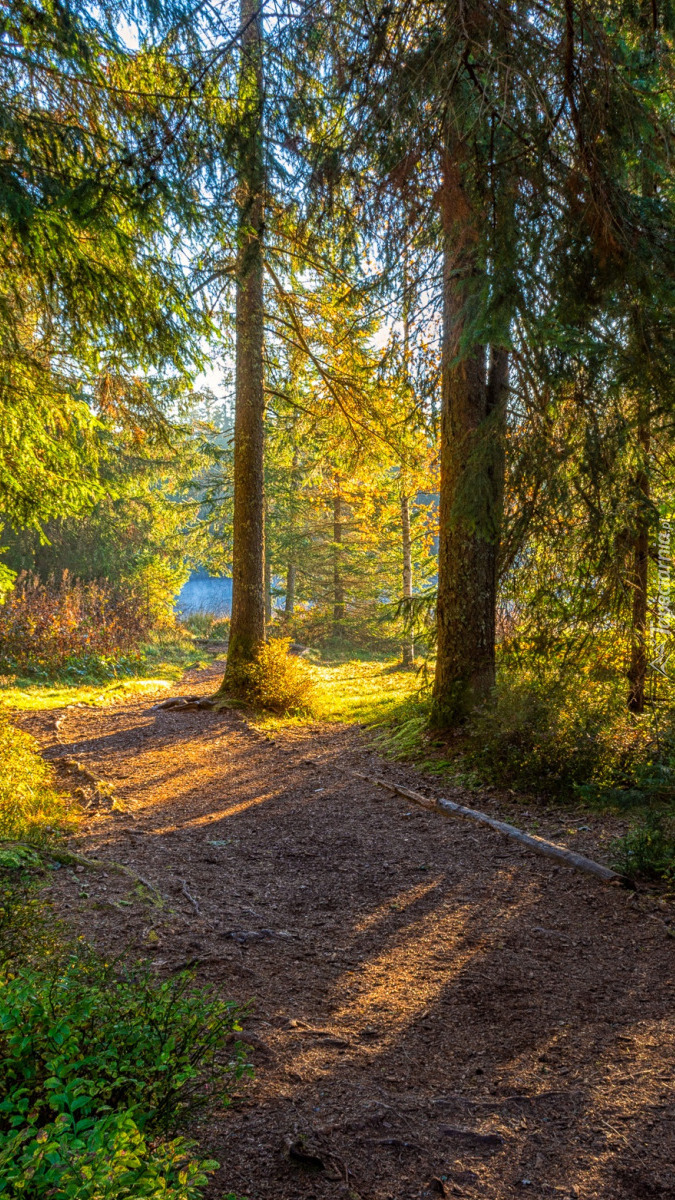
(78, 1157)
(647, 852)
(99, 1068)
(572, 738)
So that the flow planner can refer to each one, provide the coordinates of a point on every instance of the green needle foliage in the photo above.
(96, 311)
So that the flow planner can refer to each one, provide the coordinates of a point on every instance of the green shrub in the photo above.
(109, 1158)
(555, 735)
(97, 1068)
(277, 680)
(84, 1038)
(25, 932)
(648, 851)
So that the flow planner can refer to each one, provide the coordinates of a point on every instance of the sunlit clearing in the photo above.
(362, 691)
(116, 691)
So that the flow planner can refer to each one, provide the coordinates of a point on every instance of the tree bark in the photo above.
(338, 585)
(289, 602)
(408, 656)
(472, 473)
(268, 575)
(247, 628)
(637, 671)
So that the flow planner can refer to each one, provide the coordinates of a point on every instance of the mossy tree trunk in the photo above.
(247, 630)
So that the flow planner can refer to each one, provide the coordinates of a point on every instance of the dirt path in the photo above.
(435, 1010)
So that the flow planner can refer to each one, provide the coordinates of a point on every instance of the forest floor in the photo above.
(433, 1010)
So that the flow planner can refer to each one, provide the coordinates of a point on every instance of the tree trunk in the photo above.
(289, 603)
(247, 628)
(408, 656)
(472, 473)
(268, 576)
(338, 585)
(637, 672)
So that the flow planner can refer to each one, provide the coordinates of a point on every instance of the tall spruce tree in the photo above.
(503, 138)
(247, 630)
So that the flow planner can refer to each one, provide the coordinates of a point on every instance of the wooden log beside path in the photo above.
(450, 808)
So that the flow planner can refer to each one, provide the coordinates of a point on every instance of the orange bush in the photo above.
(68, 628)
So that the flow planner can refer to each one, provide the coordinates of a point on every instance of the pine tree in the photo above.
(247, 630)
(519, 178)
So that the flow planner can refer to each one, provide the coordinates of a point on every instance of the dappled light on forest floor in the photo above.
(396, 904)
(221, 814)
(408, 978)
(427, 999)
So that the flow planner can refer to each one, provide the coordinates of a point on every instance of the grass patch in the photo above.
(158, 664)
(364, 691)
(30, 809)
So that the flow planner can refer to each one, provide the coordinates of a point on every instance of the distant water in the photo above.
(205, 594)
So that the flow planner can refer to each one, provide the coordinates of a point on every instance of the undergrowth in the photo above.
(276, 681)
(101, 1067)
(158, 662)
(69, 628)
(370, 631)
(647, 851)
(562, 737)
(30, 808)
(206, 625)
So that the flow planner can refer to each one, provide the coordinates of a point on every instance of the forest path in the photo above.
(435, 1010)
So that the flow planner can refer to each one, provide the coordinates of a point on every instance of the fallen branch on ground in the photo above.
(451, 809)
(190, 897)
